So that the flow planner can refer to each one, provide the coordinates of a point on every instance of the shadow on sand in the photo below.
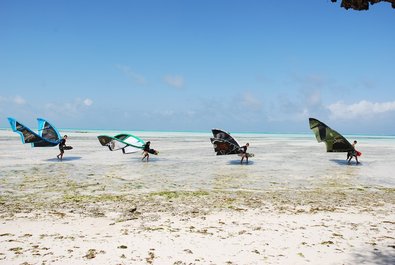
(344, 162)
(65, 159)
(237, 162)
(151, 159)
(376, 257)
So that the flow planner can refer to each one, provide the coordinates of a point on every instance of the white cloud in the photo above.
(174, 81)
(361, 109)
(251, 102)
(16, 100)
(136, 77)
(19, 100)
(71, 108)
(88, 102)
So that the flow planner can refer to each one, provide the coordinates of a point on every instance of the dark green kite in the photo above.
(334, 141)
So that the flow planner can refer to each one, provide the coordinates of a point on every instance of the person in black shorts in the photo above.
(243, 153)
(146, 150)
(62, 144)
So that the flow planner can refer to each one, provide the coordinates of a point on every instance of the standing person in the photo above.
(146, 150)
(243, 153)
(62, 145)
(353, 153)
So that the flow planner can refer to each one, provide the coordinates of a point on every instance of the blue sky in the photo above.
(256, 66)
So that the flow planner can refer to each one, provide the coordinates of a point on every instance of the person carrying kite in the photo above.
(62, 145)
(353, 153)
(146, 150)
(243, 153)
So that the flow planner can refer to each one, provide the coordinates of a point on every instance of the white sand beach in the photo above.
(292, 204)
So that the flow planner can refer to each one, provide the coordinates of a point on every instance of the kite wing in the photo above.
(134, 144)
(127, 142)
(28, 136)
(122, 136)
(47, 131)
(223, 143)
(112, 143)
(334, 141)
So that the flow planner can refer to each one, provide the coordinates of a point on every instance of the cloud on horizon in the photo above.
(15, 99)
(175, 81)
(245, 111)
(70, 108)
(88, 102)
(19, 100)
(251, 102)
(364, 108)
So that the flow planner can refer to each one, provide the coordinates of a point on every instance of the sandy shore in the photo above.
(200, 227)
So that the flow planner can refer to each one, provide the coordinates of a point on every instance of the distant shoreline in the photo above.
(300, 134)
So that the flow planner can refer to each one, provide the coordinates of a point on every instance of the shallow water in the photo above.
(187, 162)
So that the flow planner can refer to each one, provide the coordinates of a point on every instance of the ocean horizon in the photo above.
(295, 134)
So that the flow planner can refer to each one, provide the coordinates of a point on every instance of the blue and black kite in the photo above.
(47, 134)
